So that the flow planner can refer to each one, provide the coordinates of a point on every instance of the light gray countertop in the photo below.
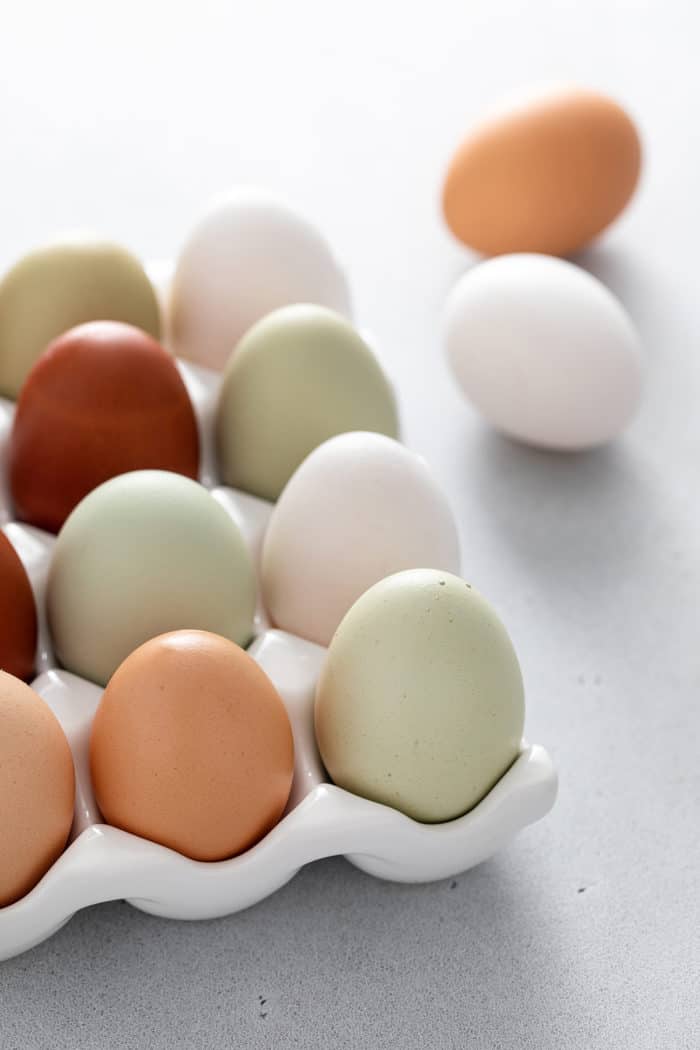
(584, 933)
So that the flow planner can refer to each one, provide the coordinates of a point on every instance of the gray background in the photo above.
(583, 933)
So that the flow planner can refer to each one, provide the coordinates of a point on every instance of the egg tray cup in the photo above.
(103, 863)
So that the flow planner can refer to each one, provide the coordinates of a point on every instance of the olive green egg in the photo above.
(420, 702)
(299, 376)
(62, 285)
(143, 554)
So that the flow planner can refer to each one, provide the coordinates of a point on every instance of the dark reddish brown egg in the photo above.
(18, 625)
(103, 399)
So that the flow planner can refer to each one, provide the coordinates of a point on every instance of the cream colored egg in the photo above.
(360, 507)
(249, 254)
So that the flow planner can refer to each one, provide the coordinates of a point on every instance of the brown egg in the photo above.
(18, 623)
(546, 176)
(191, 746)
(103, 399)
(37, 788)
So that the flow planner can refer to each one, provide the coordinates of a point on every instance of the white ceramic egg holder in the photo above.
(102, 863)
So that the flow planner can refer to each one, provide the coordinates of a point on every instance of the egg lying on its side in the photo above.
(545, 175)
(298, 376)
(62, 285)
(420, 702)
(248, 255)
(359, 507)
(37, 788)
(544, 351)
(192, 747)
(103, 399)
(145, 553)
(18, 619)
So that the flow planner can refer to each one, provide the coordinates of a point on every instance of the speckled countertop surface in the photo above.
(583, 934)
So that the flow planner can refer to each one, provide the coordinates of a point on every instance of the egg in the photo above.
(546, 174)
(248, 254)
(298, 376)
(18, 619)
(62, 285)
(103, 399)
(360, 507)
(544, 351)
(420, 702)
(145, 553)
(37, 789)
(191, 747)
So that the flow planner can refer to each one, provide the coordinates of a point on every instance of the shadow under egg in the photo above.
(562, 512)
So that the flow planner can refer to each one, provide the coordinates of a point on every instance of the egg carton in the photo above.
(103, 863)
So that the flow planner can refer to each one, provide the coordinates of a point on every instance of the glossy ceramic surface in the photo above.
(103, 863)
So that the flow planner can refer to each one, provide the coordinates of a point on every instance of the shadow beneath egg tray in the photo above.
(491, 927)
(563, 512)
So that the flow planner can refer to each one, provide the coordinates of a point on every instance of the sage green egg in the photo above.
(420, 701)
(143, 554)
(299, 376)
(62, 285)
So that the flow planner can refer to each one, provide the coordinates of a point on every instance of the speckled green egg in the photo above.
(64, 284)
(143, 554)
(420, 702)
(299, 376)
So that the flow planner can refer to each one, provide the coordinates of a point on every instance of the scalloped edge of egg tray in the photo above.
(103, 863)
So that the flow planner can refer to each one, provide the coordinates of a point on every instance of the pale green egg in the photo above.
(420, 702)
(62, 285)
(298, 377)
(143, 554)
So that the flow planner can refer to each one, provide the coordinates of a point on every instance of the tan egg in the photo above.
(37, 788)
(547, 175)
(192, 747)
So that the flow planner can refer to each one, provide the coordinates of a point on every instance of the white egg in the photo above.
(544, 351)
(359, 508)
(248, 255)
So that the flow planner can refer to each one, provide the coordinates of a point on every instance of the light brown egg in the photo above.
(545, 176)
(191, 746)
(37, 788)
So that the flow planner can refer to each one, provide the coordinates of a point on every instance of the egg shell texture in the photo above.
(544, 351)
(103, 399)
(192, 747)
(545, 175)
(360, 507)
(37, 787)
(62, 285)
(420, 702)
(298, 377)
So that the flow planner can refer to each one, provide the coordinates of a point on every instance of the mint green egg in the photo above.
(420, 702)
(145, 553)
(60, 285)
(299, 376)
